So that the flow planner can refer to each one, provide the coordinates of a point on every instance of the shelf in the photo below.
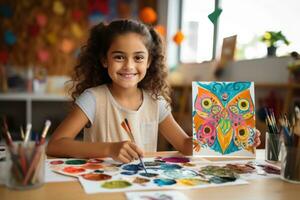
(24, 96)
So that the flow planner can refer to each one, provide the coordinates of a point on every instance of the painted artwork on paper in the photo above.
(223, 119)
(107, 175)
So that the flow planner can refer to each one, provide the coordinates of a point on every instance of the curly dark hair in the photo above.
(89, 72)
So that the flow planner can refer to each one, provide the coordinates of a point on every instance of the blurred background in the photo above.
(207, 40)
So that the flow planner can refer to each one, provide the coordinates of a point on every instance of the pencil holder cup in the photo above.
(25, 167)
(272, 146)
(290, 163)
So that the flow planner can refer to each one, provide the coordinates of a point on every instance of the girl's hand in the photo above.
(125, 151)
(257, 139)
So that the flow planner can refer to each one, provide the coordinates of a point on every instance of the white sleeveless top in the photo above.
(109, 116)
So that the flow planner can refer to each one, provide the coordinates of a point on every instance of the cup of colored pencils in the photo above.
(25, 159)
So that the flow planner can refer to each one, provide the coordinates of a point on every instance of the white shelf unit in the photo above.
(29, 98)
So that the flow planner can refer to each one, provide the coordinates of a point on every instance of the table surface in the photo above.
(256, 189)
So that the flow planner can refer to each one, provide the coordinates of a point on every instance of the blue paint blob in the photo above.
(132, 167)
(169, 166)
(129, 172)
(98, 171)
(149, 175)
(164, 181)
(220, 180)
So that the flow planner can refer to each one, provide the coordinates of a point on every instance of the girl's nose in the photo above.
(129, 64)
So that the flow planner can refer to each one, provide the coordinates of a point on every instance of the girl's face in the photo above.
(127, 60)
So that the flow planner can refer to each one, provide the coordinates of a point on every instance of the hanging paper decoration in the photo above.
(41, 20)
(96, 18)
(51, 38)
(3, 56)
(10, 38)
(160, 29)
(76, 15)
(67, 45)
(178, 37)
(43, 55)
(213, 17)
(33, 30)
(101, 6)
(58, 8)
(76, 30)
(148, 15)
(5, 11)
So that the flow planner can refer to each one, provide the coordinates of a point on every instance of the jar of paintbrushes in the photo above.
(290, 150)
(272, 140)
(24, 167)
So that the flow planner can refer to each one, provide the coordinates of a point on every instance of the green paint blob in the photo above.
(116, 184)
(75, 162)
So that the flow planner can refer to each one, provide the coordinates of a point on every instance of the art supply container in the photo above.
(272, 146)
(24, 166)
(290, 164)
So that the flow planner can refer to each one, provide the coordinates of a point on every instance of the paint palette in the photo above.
(106, 175)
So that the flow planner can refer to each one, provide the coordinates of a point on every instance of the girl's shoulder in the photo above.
(99, 88)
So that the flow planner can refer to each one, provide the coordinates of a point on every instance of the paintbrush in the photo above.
(129, 132)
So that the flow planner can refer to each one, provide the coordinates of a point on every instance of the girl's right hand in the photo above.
(125, 151)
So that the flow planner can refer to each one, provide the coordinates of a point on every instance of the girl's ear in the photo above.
(149, 63)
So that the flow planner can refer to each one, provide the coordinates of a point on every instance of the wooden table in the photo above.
(256, 189)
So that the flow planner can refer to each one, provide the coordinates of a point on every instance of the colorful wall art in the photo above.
(106, 175)
(223, 119)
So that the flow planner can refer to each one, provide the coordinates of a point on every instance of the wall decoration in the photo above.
(223, 118)
(29, 26)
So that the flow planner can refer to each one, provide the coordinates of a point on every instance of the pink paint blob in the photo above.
(176, 159)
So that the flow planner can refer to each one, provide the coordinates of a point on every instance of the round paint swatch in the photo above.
(56, 162)
(219, 180)
(132, 167)
(73, 170)
(75, 162)
(98, 171)
(164, 181)
(149, 175)
(192, 181)
(96, 177)
(128, 172)
(169, 166)
(177, 173)
(139, 180)
(92, 166)
(116, 184)
(176, 159)
(95, 160)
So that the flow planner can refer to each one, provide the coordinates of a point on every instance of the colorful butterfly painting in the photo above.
(223, 118)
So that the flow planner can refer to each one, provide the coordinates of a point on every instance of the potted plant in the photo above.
(273, 40)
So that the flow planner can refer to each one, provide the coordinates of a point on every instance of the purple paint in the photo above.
(176, 159)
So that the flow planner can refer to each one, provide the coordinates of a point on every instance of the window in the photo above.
(247, 19)
(198, 30)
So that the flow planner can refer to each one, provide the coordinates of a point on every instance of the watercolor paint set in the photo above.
(106, 175)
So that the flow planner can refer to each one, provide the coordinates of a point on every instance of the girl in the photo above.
(121, 75)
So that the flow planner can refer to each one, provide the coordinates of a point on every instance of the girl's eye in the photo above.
(119, 57)
(139, 58)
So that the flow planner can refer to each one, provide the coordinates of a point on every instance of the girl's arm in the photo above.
(63, 143)
(170, 129)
